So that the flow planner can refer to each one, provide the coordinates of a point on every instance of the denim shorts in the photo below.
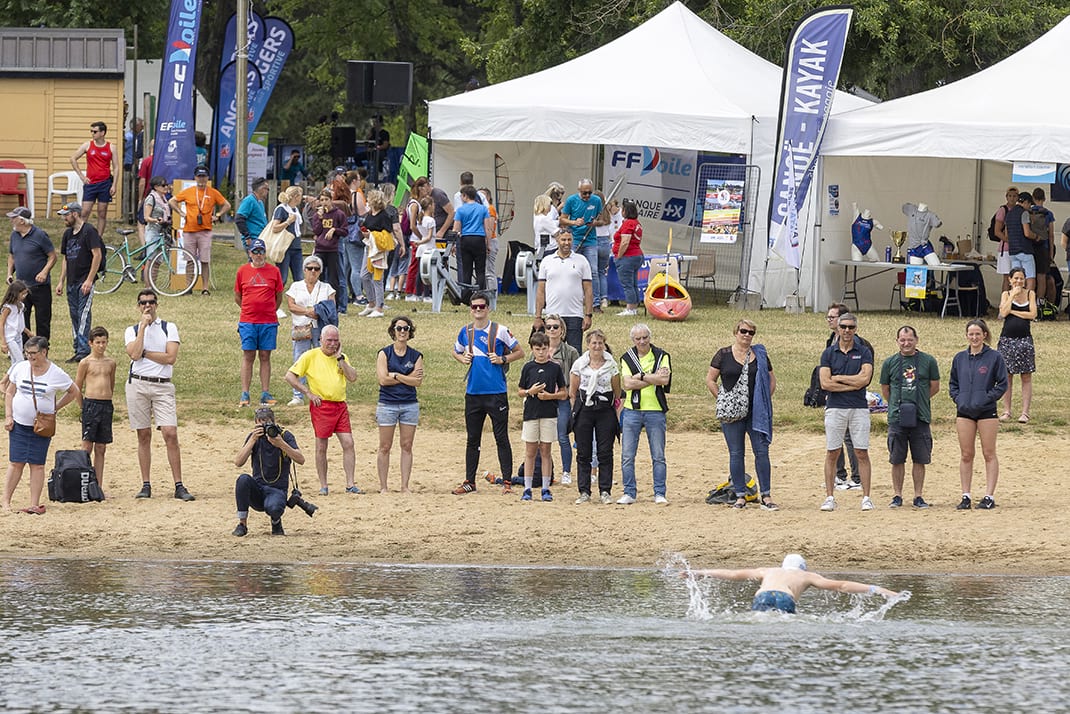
(394, 413)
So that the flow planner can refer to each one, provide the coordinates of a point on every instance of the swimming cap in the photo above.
(794, 561)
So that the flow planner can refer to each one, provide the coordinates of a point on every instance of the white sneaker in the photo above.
(627, 312)
(411, 298)
(605, 498)
(867, 505)
(661, 500)
(841, 484)
(584, 498)
(428, 298)
(295, 402)
(829, 504)
(605, 304)
(375, 313)
(566, 478)
(366, 311)
(625, 500)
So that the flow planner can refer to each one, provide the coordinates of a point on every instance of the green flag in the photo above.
(413, 165)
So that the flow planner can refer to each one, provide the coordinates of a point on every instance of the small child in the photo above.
(424, 239)
(542, 384)
(96, 379)
(13, 318)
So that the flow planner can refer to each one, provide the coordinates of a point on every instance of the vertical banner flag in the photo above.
(270, 44)
(174, 156)
(812, 70)
(413, 165)
(226, 108)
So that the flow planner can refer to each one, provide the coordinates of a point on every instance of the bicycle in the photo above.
(169, 269)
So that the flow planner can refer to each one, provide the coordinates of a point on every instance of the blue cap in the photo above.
(257, 245)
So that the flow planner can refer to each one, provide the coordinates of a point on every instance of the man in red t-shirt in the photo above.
(201, 201)
(258, 289)
(101, 174)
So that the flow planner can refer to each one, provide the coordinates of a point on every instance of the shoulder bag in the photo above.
(732, 404)
(43, 424)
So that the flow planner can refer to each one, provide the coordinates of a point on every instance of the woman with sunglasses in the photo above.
(33, 387)
(727, 365)
(400, 370)
(565, 355)
(301, 299)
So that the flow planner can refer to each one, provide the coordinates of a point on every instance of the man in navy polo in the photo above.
(846, 371)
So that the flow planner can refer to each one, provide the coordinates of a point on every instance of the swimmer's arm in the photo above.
(744, 574)
(849, 586)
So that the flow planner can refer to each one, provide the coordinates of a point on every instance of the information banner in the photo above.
(660, 181)
(722, 208)
(917, 279)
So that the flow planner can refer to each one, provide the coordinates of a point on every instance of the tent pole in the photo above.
(978, 185)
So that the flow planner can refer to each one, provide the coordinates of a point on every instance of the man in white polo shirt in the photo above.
(564, 288)
(152, 345)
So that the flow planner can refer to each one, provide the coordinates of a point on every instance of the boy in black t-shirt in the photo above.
(542, 384)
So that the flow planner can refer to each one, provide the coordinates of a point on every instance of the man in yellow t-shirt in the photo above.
(327, 371)
(201, 201)
(646, 377)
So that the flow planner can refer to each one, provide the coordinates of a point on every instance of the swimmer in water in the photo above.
(781, 587)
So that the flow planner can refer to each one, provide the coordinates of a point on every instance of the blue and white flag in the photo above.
(815, 52)
(175, 154)
(226, 118)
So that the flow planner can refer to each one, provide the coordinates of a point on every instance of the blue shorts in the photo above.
(921, 251)
(773, 600)
(100, 191)
(258, 336)
(394, 413)
(1025, 261)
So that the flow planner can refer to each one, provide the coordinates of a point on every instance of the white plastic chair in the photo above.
(73, 187)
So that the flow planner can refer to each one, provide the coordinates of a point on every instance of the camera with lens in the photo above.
(272, 430)
(295, 500)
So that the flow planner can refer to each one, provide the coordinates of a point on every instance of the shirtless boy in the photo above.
(781, 587)
(96, 379)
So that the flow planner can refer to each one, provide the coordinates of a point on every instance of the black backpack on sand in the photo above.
(74, 480)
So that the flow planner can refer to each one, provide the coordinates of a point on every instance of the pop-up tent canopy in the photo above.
(673, 82)
(948, 147)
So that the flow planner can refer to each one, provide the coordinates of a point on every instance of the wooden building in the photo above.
(53, 84)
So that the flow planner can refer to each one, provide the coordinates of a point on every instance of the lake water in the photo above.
(121, 636)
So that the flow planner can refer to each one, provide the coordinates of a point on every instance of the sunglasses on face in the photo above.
(146, 302)
(479, 307)
(402, 328)
(313, 268)
(553, 327)
(848, 327)
(745, 331)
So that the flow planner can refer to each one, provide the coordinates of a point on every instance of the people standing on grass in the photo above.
(13, 319)
(628, 253)
(1018, 308)
(978, 380)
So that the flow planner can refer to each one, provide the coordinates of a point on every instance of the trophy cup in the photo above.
(899, 238)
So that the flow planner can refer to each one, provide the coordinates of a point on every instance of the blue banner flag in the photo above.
(175, 154)
(270, 44)
(812, 70)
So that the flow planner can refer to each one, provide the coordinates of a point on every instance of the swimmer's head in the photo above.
(794, 561)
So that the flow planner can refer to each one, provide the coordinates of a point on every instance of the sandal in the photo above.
(1005, 416)
(741, 503)
(34, 510)
(1024, 419)
(506, 487)
(768, 505)
(464, 488)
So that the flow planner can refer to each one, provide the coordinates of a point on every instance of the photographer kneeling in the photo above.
(273, 450)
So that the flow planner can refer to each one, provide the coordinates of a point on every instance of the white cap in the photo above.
(794, 561)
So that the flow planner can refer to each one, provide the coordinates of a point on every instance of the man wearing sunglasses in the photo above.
(846, 371)
(152, 345)
(258, 290)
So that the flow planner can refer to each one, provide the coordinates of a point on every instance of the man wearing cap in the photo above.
(201, 201)
(101, 174)
(781, 587)
(258, 289)
(83, 253)
(31, 256)
(265, 490)
(152, 345)
(327, 370)
(251, 216)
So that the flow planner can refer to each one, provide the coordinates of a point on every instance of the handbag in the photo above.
(43, 424)
(733, 404)
(304, 332)
(276, 243)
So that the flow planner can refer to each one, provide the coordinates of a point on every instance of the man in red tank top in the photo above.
(101, 174)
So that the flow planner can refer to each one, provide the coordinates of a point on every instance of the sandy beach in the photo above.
(1025, 534)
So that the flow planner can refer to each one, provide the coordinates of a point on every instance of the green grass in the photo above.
(207, 371)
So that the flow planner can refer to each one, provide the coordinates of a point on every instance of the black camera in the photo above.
(272, 430)
(296, 500)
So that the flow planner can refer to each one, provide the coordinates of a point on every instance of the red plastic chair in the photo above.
(9, 183)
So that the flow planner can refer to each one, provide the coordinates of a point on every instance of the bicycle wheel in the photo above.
(114, 270)
(165, 274)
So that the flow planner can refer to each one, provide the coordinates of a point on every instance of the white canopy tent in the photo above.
(673, 82)
(948, 147)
